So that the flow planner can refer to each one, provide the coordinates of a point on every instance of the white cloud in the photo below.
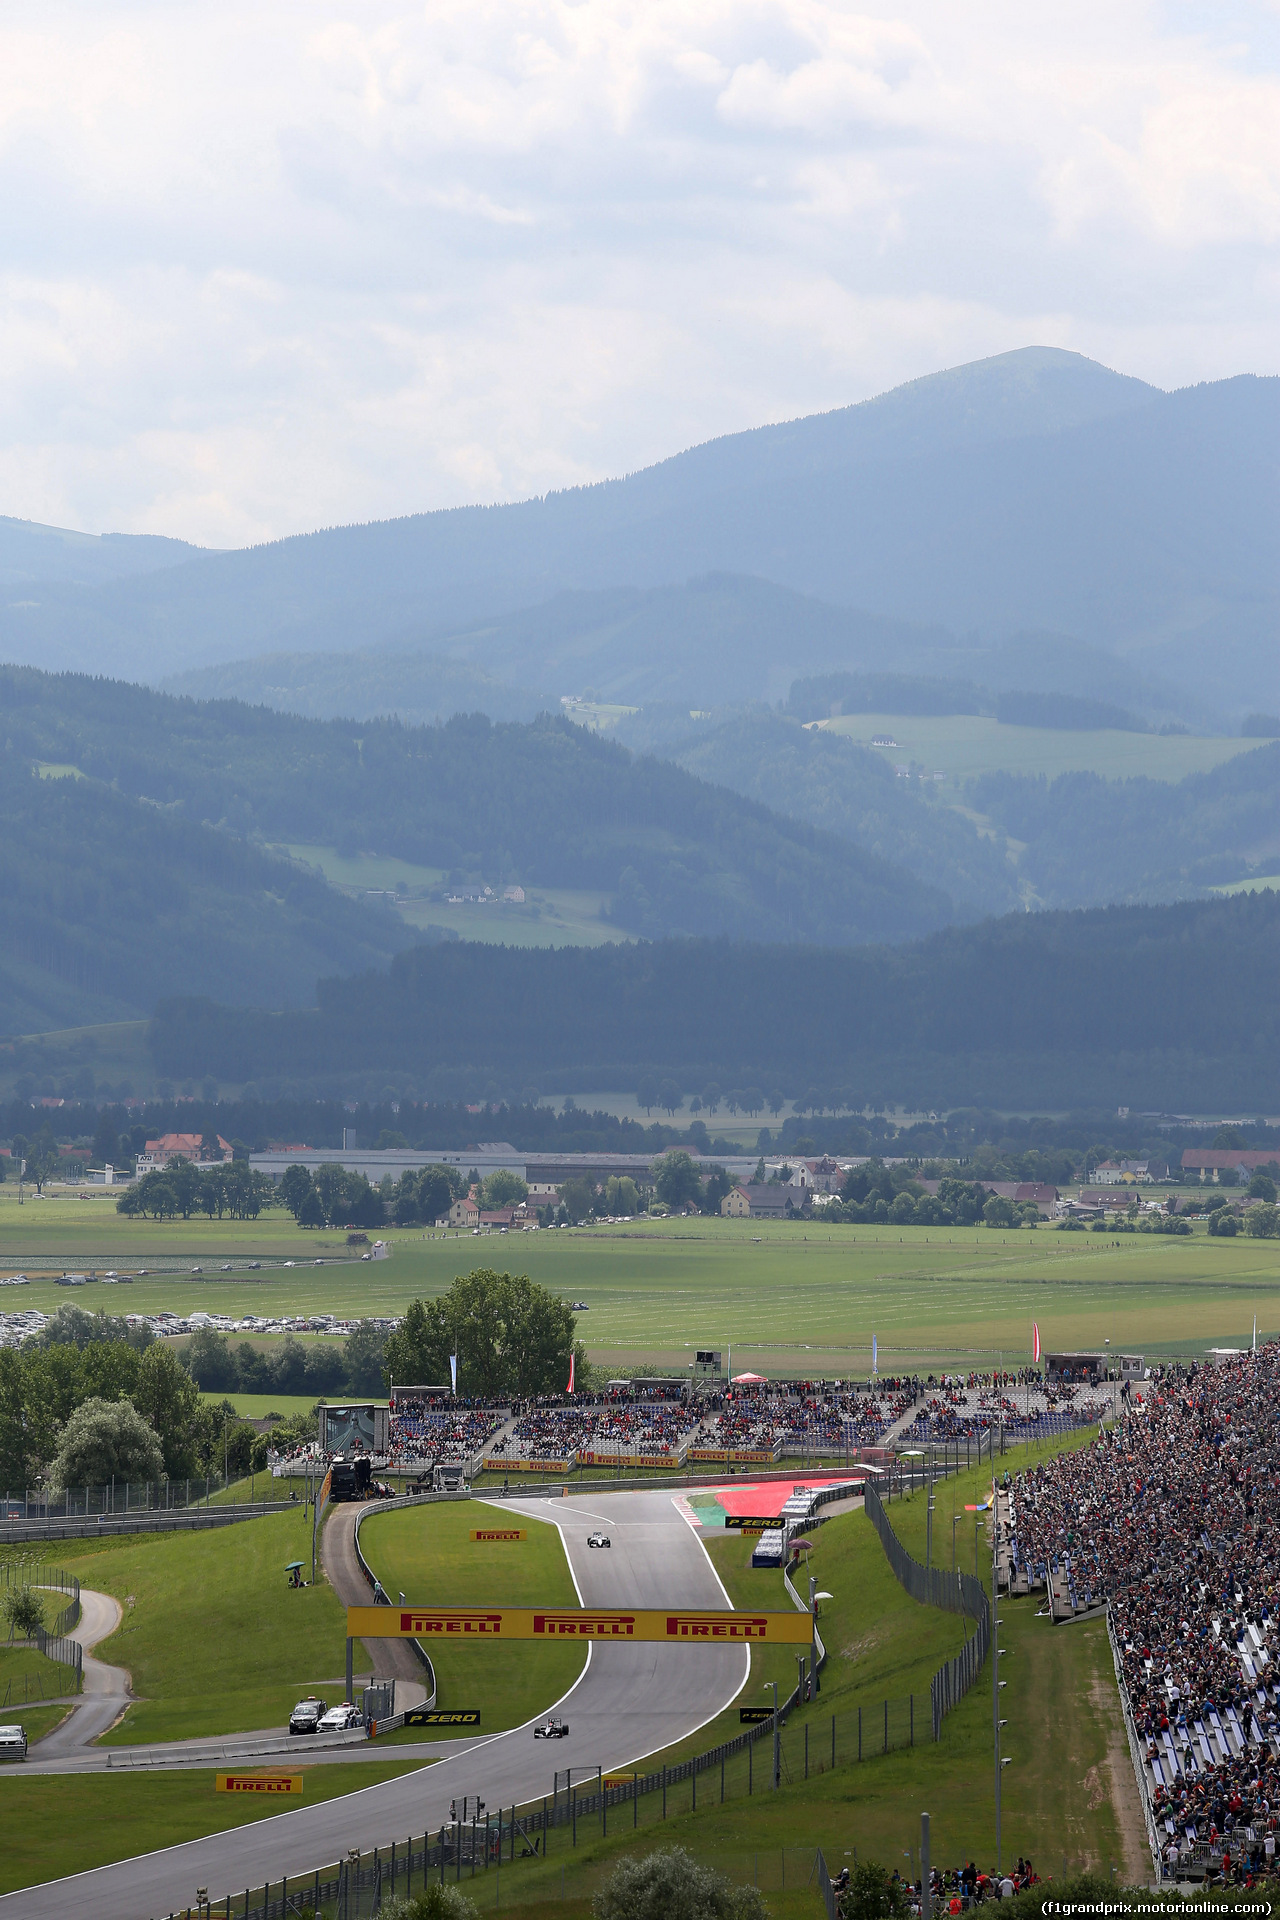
(271, 266)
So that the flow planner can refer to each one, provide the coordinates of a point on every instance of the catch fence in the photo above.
(361, 1886)
(956, 1592)
(53, 1642)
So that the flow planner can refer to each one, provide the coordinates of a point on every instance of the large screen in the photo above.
(361, 1429)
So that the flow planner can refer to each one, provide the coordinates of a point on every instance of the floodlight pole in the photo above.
(926, 1871)
(350, 1693)
(813, 1645)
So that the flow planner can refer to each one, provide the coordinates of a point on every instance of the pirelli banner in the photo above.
(738, 1456)
(654, 1625)
(500, 1463)
(639, 1461)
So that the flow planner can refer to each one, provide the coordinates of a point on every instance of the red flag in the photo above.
(572, 1358)
(1035, 1343)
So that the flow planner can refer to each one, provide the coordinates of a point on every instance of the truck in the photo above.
(351, 1479)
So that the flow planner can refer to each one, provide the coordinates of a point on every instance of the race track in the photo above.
(628, 1702)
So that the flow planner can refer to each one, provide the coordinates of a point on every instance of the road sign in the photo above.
(499, 1533)
(689, 1626)
(268, 1783)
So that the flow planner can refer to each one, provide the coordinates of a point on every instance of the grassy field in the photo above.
(214, 1638)
(427, 1552)
(549, 916)
(63, 1824)
(963, 745)
(784, 1298)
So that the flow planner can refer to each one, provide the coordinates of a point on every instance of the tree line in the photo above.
(1157, 1007)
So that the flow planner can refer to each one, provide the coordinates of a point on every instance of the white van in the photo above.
(13, 1743)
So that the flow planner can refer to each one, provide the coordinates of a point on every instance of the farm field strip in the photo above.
(964, 745)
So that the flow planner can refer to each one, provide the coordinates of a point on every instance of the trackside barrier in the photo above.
(935, 1587)
(383, 1600)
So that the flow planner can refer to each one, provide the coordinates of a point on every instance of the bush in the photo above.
(436, 1903)
(1263, 1221)
(672, 1885)
(872, 1894)
(1224, 1224)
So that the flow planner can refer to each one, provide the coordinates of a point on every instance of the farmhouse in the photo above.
(180, 1146)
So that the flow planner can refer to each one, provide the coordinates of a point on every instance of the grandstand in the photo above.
(625, 1428)
(1171, 1519)
(430, 1428)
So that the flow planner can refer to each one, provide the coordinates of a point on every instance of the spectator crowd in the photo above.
(1173, 1516)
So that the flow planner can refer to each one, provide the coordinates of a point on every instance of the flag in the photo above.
(572, 1358)
(453, 1370)
(875, 1367)
(1255, 1333)
(1035, 1343)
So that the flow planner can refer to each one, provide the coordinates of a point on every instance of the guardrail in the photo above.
(934, 1587)
(381, 1599)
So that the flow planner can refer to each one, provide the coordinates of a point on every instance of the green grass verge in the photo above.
(214, 1638)
(67, 1823)
(427, 1553)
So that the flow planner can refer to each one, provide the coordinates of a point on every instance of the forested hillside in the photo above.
(846, 789)
(1163, 1008)
(1090, 840)
(547, 803)
(109, 902)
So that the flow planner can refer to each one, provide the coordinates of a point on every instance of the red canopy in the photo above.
(748, 1379)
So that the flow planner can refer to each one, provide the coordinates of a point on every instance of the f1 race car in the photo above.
(598, 1540)
(552, 1729)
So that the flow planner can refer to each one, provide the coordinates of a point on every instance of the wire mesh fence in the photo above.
(956, 1592)
(117, 1498)
(361, 1885)
(53, 1641)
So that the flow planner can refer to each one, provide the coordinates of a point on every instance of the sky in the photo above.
(275, 266)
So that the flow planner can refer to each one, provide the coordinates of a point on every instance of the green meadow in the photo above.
(963, 745)
(783, 1298)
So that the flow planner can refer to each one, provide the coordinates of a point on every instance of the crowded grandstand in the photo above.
(1173, 1517)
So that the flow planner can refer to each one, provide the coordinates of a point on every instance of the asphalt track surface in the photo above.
(105, 1692)
(628, 1702)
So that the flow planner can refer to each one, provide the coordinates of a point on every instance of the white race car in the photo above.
(552, 1729)
(598, 1540)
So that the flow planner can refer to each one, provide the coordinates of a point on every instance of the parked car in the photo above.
(339, 1719)
(13, 1743)
(552, 1729)
(598, 1540)
(305, 1717)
